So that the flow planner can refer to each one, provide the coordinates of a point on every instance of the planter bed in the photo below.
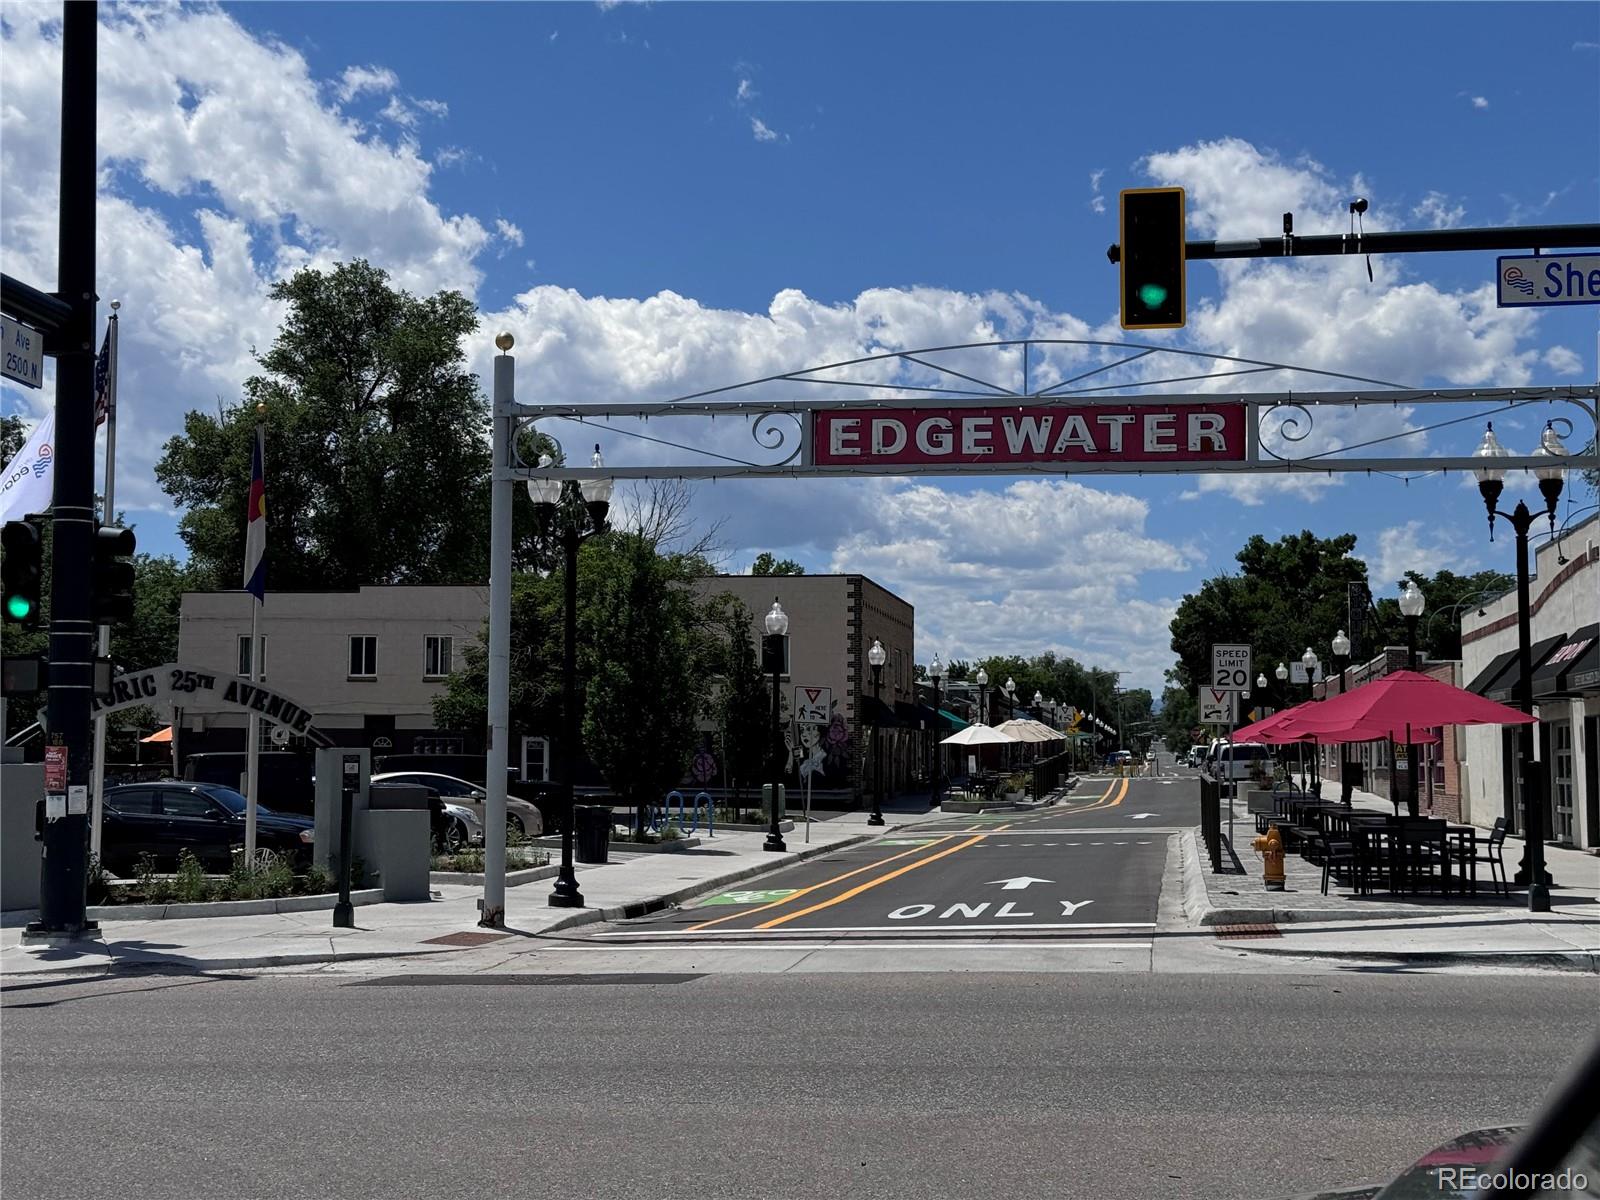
(513, 878)
(229, 908)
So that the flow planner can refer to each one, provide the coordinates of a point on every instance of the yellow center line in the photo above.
(795, 895)
(872, 883)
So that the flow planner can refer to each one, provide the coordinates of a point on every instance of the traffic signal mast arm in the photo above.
(1411, 241)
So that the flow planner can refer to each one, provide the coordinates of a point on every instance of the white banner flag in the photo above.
(29, 482)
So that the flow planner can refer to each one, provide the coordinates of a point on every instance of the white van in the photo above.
(1238, 760)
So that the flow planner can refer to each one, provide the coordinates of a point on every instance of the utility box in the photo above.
(21, 863)
(329, 781)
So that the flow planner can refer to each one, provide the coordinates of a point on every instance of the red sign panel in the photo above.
(1028, 436)
(55, 768)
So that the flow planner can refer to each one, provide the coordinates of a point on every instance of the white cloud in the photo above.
(746, 91)
(1562, 361)
(1480, 102)
(1097, 202)
(762, 133)
(508, 232)
(434, 108)
(358, 80)
(1436, 210)
(1415, 547)
(398, 111)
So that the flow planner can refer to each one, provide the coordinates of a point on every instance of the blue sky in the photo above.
(908, 173)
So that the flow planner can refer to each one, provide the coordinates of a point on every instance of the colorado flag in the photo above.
(255, 535)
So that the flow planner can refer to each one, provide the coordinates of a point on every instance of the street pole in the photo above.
(1412, 808)
(935, 673)
(493, 904)
(1491, 483)
(875, 659)
(777, 626)
(565, 892)
(64, 868)
(1341, 661)
(98, 783)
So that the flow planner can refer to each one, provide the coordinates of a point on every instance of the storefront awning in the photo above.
(1573, 660)
(922, 716)
(1504, 689)
(1490, 675)
(954, 723)
(876, 712)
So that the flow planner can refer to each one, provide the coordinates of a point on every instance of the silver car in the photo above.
(522, 818)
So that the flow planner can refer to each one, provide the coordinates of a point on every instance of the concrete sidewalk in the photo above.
(638, 884)
(1485, 929)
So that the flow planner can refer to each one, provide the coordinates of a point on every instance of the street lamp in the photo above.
(1491, 482)
(982, 680)
(776, 624)
(1310, 662)
(935, 673)
(876, 657)
(1411, 605)
(1341, 659)
(572, 513)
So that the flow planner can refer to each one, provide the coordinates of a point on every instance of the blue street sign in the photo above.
(1546, 280)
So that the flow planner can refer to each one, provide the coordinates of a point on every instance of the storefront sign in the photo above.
(1033, 435)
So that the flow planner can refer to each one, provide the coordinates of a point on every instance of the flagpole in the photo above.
(253, 730)
(97, 779)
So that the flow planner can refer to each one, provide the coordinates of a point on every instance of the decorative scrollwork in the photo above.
(770, 435)
(1293, 425)
(524, 432)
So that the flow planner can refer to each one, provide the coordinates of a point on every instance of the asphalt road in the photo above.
(1107, 1087)
(1087, 873)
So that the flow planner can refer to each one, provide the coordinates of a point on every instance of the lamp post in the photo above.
(572, 513)
(776, 624)
(1010, 690)
(935, 673)
(1311, 662)
(1341, 659)
(1491, 482)
(876, 657)
(1411, 605)
(982, 680)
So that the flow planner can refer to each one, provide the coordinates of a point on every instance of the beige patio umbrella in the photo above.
(979, 735)
(1021, 730)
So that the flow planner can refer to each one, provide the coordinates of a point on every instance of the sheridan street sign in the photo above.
(890, 436)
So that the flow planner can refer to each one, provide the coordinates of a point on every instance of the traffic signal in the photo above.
(22, 572)
(1152, 258)
(112, 582)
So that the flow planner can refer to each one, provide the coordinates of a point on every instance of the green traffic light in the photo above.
(18, 608)
(1152, 295)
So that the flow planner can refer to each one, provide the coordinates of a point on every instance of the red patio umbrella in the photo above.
(1403, 702)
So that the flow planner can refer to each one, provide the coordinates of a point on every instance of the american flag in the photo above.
(104, 395)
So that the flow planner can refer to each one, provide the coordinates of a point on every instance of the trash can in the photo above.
(591, 832)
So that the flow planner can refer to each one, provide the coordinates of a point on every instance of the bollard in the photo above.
(1270, 847)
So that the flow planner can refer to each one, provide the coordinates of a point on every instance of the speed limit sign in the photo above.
(1230, 668)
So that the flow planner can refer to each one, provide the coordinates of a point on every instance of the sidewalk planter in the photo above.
(683, 843)
(228, 908)
(513, 878)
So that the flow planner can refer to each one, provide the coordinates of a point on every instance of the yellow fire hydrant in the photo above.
(1270, 847)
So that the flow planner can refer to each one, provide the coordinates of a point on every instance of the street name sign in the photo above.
(1218, 706)
(22, 350)
(1547, 280)
(1230, 668)
(813, 705)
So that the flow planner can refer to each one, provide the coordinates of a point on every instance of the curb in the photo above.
(584, 916)
(1584, 962)
(228, 908)
(513, 878)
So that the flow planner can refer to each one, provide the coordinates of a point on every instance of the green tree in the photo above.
(1448, 597)
(13, 433)
(1180, 715)
(377, 463)
(1289, 594)
(740, 704)
(765, 564)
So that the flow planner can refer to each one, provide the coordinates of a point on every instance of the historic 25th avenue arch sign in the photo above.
(180, 685)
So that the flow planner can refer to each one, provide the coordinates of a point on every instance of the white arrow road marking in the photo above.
(1019, 883)
(1068, 907)
(1142, 816)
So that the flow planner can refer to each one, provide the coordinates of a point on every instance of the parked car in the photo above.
(1241, 760)
(287, 777)
(455, 827)
(164, 818)
(522, 819)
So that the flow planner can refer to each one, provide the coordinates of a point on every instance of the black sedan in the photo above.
(161, 819)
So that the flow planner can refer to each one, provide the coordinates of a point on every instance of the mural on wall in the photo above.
(820, 754)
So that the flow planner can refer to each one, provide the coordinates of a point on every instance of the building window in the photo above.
(363, 657)
(437, 656)
(244, 655)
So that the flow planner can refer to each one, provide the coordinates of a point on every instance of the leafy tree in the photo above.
(1449, 597)
(1180, 714)
(765, 564)
(377, 463)
(13, 433)
(740, 704)
(1289, 594)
